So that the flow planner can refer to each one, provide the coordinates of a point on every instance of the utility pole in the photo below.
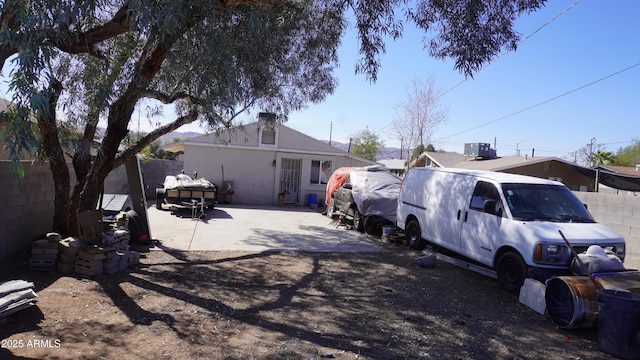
(593, 141)
(518, 146)
(330, 132)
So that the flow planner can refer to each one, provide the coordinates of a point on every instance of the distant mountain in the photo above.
(172, 136)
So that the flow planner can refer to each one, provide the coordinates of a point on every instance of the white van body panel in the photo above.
(440, 200)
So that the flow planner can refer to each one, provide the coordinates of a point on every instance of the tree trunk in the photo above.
(61, 180)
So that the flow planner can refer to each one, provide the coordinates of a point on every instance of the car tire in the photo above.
(413, 235)
(138, 231)
(358, 221)
(511, 271)
(373, 225)
(159, 198)
(331, 208)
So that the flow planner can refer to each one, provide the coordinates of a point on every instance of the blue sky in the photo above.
(590, 41)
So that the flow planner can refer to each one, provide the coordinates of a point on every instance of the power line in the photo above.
(518, 44)
(504, 52)
(542, 103)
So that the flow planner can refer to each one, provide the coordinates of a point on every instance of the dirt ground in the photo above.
(282, 305)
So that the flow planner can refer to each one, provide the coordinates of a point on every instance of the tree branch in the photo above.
(152, 136)
(171, 98)
(84, 42)
(272, 3)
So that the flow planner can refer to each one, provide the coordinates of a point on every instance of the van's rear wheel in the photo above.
(511, 271)
(414, 235)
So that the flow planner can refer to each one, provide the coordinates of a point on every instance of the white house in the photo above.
(263, 159)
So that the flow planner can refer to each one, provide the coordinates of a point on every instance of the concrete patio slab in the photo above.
(255, 228)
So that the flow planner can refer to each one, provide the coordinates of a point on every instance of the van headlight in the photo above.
(549, 254)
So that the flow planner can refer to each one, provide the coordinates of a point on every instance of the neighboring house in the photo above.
(260, 160)
(575, 177)
(396, 166)
(437, 159)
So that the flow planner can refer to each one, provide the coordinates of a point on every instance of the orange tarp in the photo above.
(336, 180)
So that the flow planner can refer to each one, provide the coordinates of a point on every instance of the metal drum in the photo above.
(572, 302)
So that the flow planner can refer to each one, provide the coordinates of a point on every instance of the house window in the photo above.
(320, 171)
(268, 136)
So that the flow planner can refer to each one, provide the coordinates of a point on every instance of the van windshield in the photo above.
(540, 202)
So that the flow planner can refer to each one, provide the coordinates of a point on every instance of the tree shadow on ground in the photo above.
(296, 304)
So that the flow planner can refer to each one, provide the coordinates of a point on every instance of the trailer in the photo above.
(181, 191)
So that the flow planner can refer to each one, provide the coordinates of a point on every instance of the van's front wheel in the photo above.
(511, 271)
(414, 235)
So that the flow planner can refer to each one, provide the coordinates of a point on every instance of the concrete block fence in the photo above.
(26, 204)
(621, 212)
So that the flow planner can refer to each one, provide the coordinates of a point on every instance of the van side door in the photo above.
(445, 208)
(483, 218)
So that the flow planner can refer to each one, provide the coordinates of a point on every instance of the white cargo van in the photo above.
(506, 222)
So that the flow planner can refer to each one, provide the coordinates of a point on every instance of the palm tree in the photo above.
(602, 157)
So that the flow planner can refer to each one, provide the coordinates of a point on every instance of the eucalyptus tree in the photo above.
(79, 66)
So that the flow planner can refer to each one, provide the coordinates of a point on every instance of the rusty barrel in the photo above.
(572, 302)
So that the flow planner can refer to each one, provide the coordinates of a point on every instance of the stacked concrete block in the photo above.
(44, 253)
(122, 239)
(89, 261)
(68, 249)
(116, 240)
(108, 241)
(110, 265)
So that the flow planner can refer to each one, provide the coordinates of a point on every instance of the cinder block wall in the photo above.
(621, 212)
(153, 173)
(26, 210)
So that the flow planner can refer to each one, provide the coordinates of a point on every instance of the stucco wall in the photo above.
(622, 214)
(251, 171)
(255, 178)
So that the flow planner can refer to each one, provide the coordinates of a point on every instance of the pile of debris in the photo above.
(92, 254)
(15, 295)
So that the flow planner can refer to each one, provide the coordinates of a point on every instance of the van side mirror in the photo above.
(490, 207)
(348, 186)
(585, 206)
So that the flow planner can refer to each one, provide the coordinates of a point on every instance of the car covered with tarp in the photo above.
(365, 196)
